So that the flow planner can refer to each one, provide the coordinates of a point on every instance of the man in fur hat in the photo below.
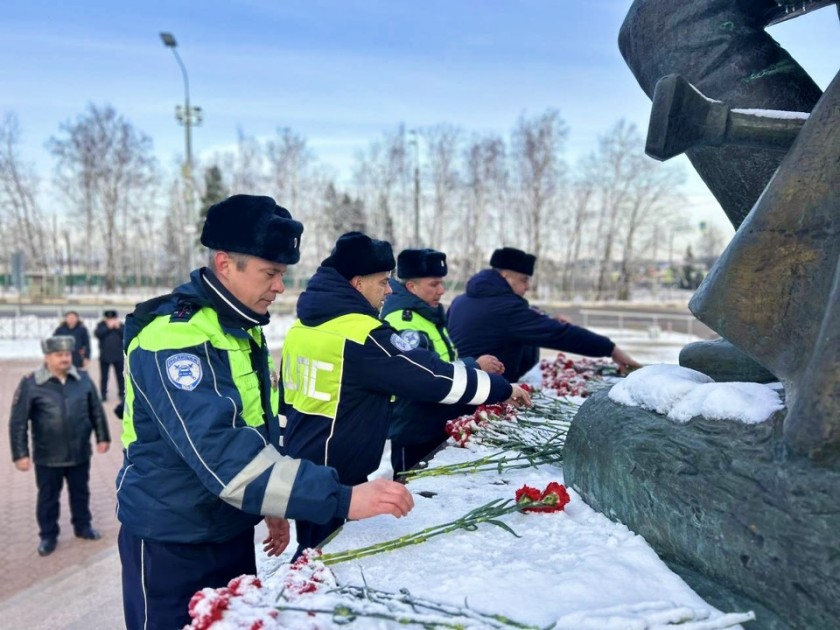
(414, 309)
(201, 428)
(493, 317)
(341, 365)
(61, 404)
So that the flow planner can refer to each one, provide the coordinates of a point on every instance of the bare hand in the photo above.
(562, 319)
(490, 364)
(23, 464)
(379, 496)
(519, 397)
(102, 447)
(278, 535)
(625, 362)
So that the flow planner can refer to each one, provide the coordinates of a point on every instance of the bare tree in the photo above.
(378, 176)
(485, 185)
(579, 214)
(654, 195)
(23, 225)
(442, 144)
(610, 169)
(288, 160)
(245, 166)
(537, 144)
(107, 167)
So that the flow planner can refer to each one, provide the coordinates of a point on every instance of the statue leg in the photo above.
(721, 47)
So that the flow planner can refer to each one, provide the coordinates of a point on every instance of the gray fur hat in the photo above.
(58, 343)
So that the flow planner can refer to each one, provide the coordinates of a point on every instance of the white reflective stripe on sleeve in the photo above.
(234, 492)
(482, 388)
(459, 385)
(279, 488)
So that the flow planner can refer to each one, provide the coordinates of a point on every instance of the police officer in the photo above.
(61, 404)
(414, 309)
(201, 427)
(341, 364)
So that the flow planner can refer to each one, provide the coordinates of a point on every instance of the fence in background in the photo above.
(665, 322)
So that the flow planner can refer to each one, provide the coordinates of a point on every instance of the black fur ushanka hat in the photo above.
(357, 254)
(254, 225)
(421, 263)
(513, 259)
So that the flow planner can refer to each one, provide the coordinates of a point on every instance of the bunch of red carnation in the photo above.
(307, 574)
(569, 377)
(553, 499)
(210, 605)
(462, 428)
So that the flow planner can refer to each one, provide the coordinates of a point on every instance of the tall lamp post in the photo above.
(188, 116)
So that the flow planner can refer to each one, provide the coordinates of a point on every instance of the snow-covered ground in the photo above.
(573, 569)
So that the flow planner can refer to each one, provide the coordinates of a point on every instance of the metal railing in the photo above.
(634, 320)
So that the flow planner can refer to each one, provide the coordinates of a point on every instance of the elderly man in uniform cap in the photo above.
(201, 427)
(341, 365)
(493, 317)
(61, 404)
(414, 309)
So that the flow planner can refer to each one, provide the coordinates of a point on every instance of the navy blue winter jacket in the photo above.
(491, 319)
(416, 422)
(340, 367)
(201, 430)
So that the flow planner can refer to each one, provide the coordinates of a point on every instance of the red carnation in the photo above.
(553, 499)
(527, 495)
(555, 496)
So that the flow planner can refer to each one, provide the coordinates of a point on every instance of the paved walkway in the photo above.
(78, 586)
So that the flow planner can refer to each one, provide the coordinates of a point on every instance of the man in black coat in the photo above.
(74, 327)
(61, 404)
(110, 334)
(493, 317)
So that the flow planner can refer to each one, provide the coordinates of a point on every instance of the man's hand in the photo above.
(562, 319)
(379, 496)
(625, 362)
(519, 397)
(23, 464)
(278, 535)
(102, 447)
(490, 364)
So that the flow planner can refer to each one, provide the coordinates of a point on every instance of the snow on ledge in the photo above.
(681, 394)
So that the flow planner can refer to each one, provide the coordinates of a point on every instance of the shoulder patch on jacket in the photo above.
(184, 371)
(411, 337)
(407, 315)
(400, 344)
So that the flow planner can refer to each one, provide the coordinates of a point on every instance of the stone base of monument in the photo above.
(724, 363)
(747, 524)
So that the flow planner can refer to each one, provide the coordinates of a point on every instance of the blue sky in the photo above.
(339, 73)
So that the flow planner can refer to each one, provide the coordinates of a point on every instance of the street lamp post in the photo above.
(189, 117)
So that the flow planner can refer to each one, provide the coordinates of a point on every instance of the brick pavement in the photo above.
(20, 565)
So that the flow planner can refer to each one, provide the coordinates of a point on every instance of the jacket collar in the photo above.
(232, 312)
(403, 299)
(42, 374)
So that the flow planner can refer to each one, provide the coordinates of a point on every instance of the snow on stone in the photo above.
(682, 394)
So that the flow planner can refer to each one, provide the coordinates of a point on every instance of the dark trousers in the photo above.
(311, 535)
(104, 367)
(160, 578)
(49, 480)
(407, 456)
